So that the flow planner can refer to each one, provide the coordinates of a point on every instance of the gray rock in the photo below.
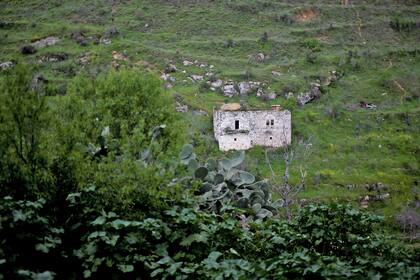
(167, 77)
(259, 57)
(53, 57)
(229, 90)
(271, 96)
(47, 41)
(7, 65)
(289, 95)
(38, 82)
(187, 63)
(171, 68)
(182, 108)
(260, 92)
(79, 37)
(83, 59)
(276, 73)
(246, 88)
(216, 84)
(309, 96)
(105, 41)
(196, 78)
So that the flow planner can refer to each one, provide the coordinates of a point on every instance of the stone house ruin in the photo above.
(240, 129)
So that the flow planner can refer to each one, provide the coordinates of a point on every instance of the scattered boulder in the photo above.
(182, 108)
(246, 88)
(47, 41)
(119, 56)
(79, 38)
(38, 82)
(367, 105)
(111, 32)
(229, 89)
(7, 65)
(332, 78)
(105, 41)
(28, 49)
(216, 84)
(187, 63)
(276, 73)
(167, 77)
(259, 57)
(260, 92)
(309, 96)
(83, 59)
(115, 65)
(376, 187)
(196, 78)
(53, 57)
(289, 95)
(272, 96)
(171, 68)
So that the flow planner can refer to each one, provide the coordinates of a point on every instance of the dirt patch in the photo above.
(306, 15)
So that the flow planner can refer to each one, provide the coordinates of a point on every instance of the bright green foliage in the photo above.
(23, 121)
(223, 183)
(325, 241)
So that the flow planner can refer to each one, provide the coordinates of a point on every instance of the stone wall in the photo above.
(253, 128)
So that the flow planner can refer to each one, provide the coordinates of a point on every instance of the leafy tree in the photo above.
(23, 121)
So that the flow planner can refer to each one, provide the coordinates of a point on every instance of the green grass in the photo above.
(358, 146)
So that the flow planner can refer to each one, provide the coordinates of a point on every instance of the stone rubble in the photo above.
(229, 89)
(7, 65)
(47, 41)
(309, 96)
(53, 57)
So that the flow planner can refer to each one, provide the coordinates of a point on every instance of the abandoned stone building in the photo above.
(236, 128)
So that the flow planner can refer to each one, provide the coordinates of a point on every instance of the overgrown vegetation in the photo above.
(90, 180)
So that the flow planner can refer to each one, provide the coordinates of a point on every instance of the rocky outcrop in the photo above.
(309, 96)
(53, 57)
(229, 89)
(182, 108)
(196, 78)
(47, 41)
(7, 65)
(246, 88)
(79, 37)
(171, 68)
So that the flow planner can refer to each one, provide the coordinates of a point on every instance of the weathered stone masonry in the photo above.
(242, 129)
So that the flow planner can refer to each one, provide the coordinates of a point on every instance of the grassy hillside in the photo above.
(374, 45)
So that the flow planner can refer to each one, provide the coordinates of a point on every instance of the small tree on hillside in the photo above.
(280, 182)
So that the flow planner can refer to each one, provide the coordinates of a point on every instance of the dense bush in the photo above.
(324, 241)
(90, 187)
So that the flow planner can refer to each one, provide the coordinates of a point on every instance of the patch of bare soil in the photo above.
(306, 15)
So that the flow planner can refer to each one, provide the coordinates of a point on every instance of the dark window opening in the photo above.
(272, 122)
(271, 138)
(236, 124)
(268, 122)
(234, 139)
